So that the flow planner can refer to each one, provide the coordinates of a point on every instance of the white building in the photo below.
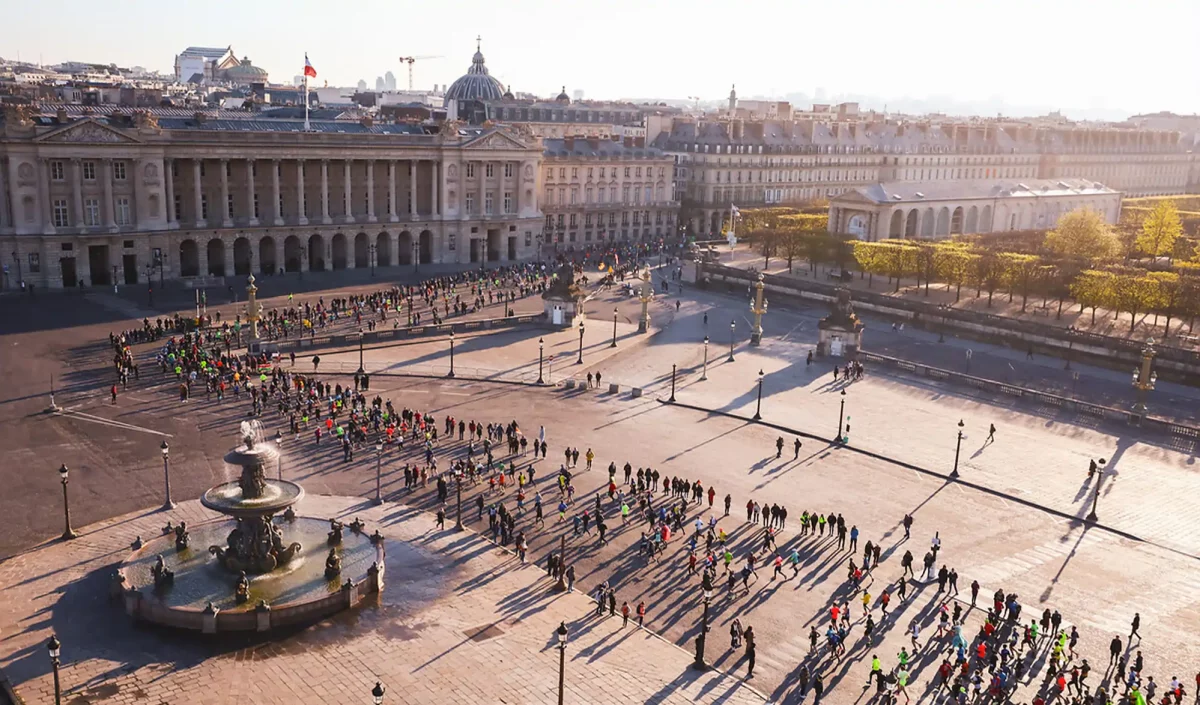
(936, 210)
(204, 62)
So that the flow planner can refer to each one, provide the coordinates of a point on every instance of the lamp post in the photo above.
(68, 532)
(614, 340)
(758, 307)
(1091, 517)
(700, 664)
(377, 693)
(167, 503)
(957, 450)
(361, 370)
(561, 632)
(279, 454)
(732, 328)
(647, 295)
(672, 399)
(704, 370)
(458, 477)
(841, 415)
(541, 353)
(379, 471)
(758, 408)
(451, 373)
(55, 649)
(580, 360)
(1144, 378)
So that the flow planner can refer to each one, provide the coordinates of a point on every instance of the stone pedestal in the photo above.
(563, 300)
(840, 333)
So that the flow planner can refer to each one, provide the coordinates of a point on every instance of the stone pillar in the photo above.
(276, 206)
(325, 192)
(77, 189)
(349, 191)
(371, 218)
(250, 195)
(169, 180)
(229, 257)
(110, 216)
(5, 220)
(226, 214)
(200, 222)
(301, 211)
(44, 197)
(435, 168)
(202, 257)
(412, 189)
(392, 191)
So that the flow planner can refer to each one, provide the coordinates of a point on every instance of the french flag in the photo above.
(309, 71)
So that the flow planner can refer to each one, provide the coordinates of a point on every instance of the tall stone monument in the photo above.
(840, 333)
(563, 300)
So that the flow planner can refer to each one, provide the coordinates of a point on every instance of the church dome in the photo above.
(245, 72)
(475, 84)
(563, 97)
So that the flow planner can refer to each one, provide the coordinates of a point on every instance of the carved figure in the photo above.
(335, 533)
(181, 536)
(333, 565)
(242, 590)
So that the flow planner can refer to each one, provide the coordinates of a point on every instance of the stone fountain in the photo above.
(260, 571)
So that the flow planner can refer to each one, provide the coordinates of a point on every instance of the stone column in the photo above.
(325, 192)
(435, 168)
(5, 221)
(226, 214)
(392, 190)
(276, 206)
(481, 171)
(200, 223)
(44, 196)
(202, 257)
(250, 200)
(169, 180)
(371, 192)
(110, 216)
(412, 189)
(349, 192)
(301, 212)
(77, 189)
(229, 266)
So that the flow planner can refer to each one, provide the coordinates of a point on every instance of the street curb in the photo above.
(926, 471)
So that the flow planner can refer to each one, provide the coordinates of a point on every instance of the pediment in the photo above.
(853, 197)
(495, 140)
(87, 131)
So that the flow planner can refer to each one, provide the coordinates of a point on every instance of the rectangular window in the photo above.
(589, 172)
(625, 195)
(626, 172)
(613, 174)
(204, 205)
(123, 217)
(648, 194)
(638, 172)
(508, 170)
(574, 195)
(229, 204)
(562, 173)
(56, 170)
(118, 171)
(60, 212)
(281, 205)
(174, 169)
(488, 170)
(508, 205)
(528, 238)
(256, 206)
(587, 196)
(573, 221)
(560, 220)
(487, 203)
(601, 192)
(612, 194)
(178, 207)
(470, 201)
(202, 168)
(91, 212)
(612, 219)
(625, 218)
(587, 220)
(549, 222)
(470, 170)
(574, 172)
(89, 171)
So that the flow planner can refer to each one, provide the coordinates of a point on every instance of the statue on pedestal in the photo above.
(181, 536)
(333, 565)
(840, 333)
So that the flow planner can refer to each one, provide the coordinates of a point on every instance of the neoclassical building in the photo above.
(936, 210)
(128, 195)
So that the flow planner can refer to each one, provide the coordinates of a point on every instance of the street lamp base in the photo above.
(541, 381)
(458, 526)
(700, 665)
(1091, 518)
(450, 375)
(377, 501)
(614, 344)
(757, 416)
(756, 339)
(361, 371)
(953, 474)
(561, 585)
(69, 534)
(167, 506)
(642, 326)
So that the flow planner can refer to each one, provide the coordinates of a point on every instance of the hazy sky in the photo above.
(1071, 54)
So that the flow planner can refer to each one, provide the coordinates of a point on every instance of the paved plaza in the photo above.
(1014, 522)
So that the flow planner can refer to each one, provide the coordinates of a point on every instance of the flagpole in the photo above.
(306, 125)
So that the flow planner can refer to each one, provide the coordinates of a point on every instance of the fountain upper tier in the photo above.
(252, 494)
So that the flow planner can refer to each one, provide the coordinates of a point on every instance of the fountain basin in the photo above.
(298, 593)
(227, 498)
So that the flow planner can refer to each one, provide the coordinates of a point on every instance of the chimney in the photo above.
(61, 115)
(593, 142)
(569, 142)
(199, 117)
(837, 130)
(737, 130)
(628, 141)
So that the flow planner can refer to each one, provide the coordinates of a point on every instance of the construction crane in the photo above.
(410, 60)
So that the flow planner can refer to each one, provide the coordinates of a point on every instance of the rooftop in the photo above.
(928, 191)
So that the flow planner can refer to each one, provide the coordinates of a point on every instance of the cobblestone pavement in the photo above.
(459, 621)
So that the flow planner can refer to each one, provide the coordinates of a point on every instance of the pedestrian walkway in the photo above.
(459, 621)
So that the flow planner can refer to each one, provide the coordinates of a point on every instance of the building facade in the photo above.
(123, 198)
(596, 190)
(771, 162)
(938, 210)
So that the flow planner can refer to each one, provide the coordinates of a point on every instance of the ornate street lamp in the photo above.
(672, 399)
(758, 408)
(167, 503)
(458, 478)
(561, 632)
(1144, 378)
(279, 453)
(541, 351)
(451, 373)
(361, 371)
(1091, 517)
(957, 450)
(580, 360)
(841, 416)
(614, 340)
(377, 693)
(732, 327)
(55, 649)
(68, 532)
(700, 664)
(704, 371)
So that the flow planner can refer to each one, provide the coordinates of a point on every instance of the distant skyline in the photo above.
(1097, 59)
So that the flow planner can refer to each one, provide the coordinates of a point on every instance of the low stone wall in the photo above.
(1096, 410)
(396, 334)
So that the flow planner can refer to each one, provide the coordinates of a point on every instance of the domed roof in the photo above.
(563, 97)
(508, 94)
(246, 72)
(475, 84)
